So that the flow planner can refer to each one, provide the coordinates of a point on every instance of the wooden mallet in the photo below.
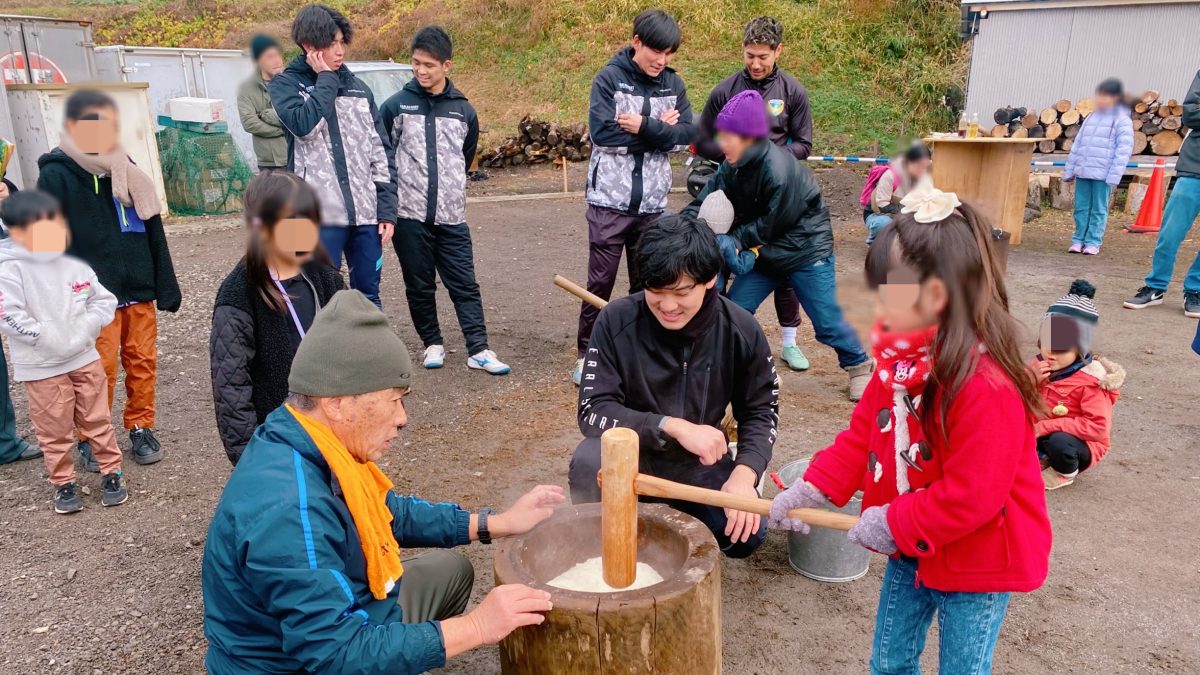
(620, 485)
(579, 292)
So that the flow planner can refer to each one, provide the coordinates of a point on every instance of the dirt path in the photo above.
(118, 590)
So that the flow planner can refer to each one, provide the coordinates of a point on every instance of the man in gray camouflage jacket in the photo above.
(638, 113)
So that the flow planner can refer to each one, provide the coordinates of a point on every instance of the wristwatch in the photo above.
(485, 536)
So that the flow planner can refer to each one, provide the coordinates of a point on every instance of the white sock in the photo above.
(789, 335)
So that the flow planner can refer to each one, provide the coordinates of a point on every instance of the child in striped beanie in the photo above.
(1079, 390)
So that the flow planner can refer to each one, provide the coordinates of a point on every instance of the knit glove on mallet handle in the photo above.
(872, 531)
(800, 495)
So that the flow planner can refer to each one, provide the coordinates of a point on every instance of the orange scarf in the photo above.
(365, 489)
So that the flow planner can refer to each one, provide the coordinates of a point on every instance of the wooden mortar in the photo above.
(671, 627)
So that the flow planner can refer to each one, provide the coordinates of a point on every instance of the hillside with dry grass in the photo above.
(876, 70)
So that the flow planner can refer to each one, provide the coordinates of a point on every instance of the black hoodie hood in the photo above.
(450, 92)
(57, 156)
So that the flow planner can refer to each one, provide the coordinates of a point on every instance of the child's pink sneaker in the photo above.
(1054, 480)
(1091, 250)
(1075, 248)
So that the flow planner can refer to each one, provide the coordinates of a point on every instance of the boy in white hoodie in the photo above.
(52, 309)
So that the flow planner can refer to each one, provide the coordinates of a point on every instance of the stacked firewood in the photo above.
(537, 142)
(1156, 124)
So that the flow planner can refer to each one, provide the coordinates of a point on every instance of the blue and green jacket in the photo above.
(284, 577)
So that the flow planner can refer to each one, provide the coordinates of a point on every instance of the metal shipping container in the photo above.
(38, 50)
(37, 119)
(172, 72)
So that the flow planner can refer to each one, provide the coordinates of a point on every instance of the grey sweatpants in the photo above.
(435, 585)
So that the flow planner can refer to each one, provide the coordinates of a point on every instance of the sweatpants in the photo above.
(1091, 211)
(1066, 453)
(429, 251)
(132, 337)
(72, 400)
(609, 232)
(676, 465)
(435, 586)
(363, 250)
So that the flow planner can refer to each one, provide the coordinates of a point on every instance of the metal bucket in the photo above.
(825, 554)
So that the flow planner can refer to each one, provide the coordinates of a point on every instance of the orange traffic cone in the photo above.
(1149, 217)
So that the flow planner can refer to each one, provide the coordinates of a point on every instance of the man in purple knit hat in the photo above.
(778, 209)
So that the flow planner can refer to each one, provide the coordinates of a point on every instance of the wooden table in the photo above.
(990, 174)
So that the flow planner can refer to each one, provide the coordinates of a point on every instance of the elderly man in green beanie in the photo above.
(303, 571)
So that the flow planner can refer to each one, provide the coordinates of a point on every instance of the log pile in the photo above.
(538, 142)
(1157, 126)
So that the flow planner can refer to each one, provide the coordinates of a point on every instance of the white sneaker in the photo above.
(486, 360)
(435, 356)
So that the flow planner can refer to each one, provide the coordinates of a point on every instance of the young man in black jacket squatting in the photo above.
(338, 145)
(666, 363)
(791, 128)
(435, 132)
(638, 112)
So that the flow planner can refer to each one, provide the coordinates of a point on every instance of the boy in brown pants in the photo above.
(52, 309)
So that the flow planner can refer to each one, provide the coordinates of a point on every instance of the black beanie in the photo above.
(261, 43)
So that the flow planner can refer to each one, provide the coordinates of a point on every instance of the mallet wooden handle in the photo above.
(579, 292)
(651, 486)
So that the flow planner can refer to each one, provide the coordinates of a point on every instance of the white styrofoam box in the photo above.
(192, 109)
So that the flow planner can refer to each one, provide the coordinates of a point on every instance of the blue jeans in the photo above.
(1091, 211)
(816, 287)
(875, 224)
(364, 255)
(1178, 218)
(969, 624)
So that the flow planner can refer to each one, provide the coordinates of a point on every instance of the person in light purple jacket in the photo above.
(1096, 164)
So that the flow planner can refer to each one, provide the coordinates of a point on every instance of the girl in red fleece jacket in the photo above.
(941, 444)
(1079, 390)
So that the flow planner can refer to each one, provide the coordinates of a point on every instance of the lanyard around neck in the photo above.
(287, 299)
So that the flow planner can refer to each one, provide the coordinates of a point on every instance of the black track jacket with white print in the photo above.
(632, 173)
(336, 143)
(636, 373)
(435, 137)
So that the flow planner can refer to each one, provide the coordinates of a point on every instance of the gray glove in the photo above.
(800, 495)
(872, 531)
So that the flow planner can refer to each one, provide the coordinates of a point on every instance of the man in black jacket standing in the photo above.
(435, 132)
(790, 127)
(638, 113)
(778, 209)
(338, 145)
(666, 363)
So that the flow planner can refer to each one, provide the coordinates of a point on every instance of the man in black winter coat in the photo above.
(666, 363)
(779, 212)
(790, 127)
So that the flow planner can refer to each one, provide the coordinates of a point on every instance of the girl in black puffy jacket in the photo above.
(266, 304)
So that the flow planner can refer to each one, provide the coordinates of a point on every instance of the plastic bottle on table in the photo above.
(963, 124)
(973, 129)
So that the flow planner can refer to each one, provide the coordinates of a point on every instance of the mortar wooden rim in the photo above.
(700, 559)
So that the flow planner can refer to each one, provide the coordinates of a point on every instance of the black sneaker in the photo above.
(1191, 304)
(1145, 297)
(66, 499)
(145, 447)
(86, 460)
(112, 489)
(29, 452)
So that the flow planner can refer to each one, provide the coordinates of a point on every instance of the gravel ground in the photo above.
(118, 590)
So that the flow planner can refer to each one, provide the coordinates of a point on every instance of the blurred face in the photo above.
(270, 62)
(1058, 338)
(733, 145)
(334, 54)
(429, 71)
(96, 132)
(918, 169)
(906, 305)
(760, 60)
(651, 61)
(675, 305)
(292, 239)
(368, 423)
(49, 236)
(1104, 101)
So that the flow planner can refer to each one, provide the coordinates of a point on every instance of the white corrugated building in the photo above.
(1034, 52)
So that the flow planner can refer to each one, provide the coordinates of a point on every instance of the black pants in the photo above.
(1066, 453)
(609, 233)
(676, 465)
(426, 252)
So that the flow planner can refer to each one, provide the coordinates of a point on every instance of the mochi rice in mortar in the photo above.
(588, 577)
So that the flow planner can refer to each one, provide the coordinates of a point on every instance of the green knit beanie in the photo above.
(350, 349)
